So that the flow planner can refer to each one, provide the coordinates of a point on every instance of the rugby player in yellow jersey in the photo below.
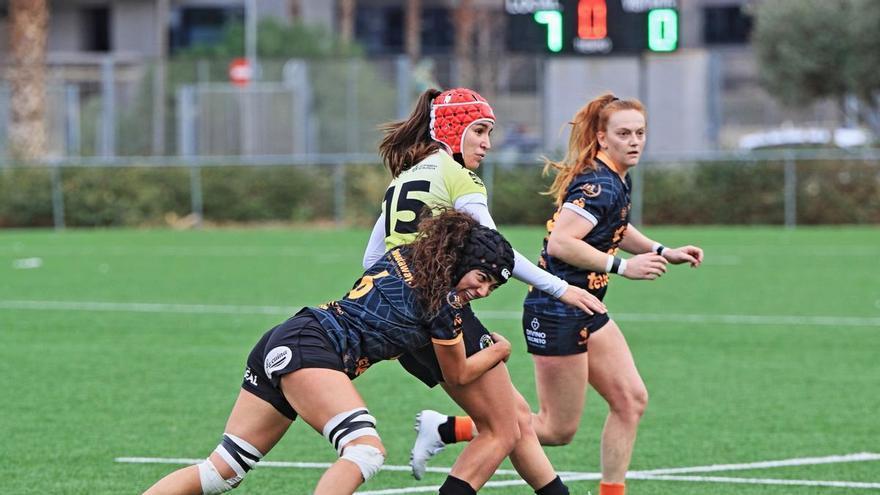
(432, 157)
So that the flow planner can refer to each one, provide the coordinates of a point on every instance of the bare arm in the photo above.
(458, 369)
(526, 271)
(566, 243)
(637, 243)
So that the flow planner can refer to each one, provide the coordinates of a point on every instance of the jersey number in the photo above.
(364, 285)
(405, 203)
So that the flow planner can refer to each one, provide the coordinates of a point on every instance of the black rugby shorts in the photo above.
(549, 336)
(300, 342)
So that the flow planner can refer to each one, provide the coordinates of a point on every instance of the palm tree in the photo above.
(28, 33)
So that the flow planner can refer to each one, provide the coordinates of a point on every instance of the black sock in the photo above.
(455, 486)
(447, 430)
(555, 487)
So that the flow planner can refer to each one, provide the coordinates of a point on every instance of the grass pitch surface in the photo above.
(118, 344)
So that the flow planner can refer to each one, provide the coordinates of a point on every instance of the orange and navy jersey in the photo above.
(602, 198)
(382, 316)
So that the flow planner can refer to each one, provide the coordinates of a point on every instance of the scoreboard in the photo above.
(592, 27)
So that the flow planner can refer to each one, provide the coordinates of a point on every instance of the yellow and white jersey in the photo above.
(435, 182)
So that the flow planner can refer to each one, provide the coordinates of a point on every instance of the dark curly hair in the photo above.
(450, 245)
(436, 254)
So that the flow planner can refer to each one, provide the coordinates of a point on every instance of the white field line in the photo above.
(142, 307)
(763, 481)
(666, 474)
(799, 461)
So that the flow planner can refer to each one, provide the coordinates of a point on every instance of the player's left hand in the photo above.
(684, 254)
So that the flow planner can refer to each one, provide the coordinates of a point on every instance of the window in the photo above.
(201, 25)
(725, 25)
(381, 30)
(96, 29)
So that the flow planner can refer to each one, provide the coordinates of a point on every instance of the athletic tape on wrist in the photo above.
(658, 248)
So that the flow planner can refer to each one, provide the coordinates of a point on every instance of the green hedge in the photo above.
(717, 193)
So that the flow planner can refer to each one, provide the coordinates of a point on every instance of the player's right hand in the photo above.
(580, 298)
(501, 345)
(647, 266)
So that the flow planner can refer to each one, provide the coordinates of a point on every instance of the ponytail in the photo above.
(583, 143)
(408, 142)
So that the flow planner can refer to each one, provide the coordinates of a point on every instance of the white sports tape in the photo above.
(348, 425)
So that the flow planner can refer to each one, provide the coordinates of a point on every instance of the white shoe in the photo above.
(428, 443)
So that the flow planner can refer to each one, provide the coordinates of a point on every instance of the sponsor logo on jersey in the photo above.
(362, 365)
(476, 179)
(404, 268)
(596, 281)
(277, 359)
(584, 336)
(535, 324)
(486, 341)
(453, 300)
(535, 337)
(250, 377)
(591, 190)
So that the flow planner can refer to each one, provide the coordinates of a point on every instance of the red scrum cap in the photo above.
(453, 111)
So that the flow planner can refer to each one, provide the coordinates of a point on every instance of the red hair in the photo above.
(583, 144)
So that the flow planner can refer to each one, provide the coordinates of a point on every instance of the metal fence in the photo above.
(786, 188)
(136, 107)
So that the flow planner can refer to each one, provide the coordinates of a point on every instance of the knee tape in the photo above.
(346, 426)
(238, 455)
(368, 459)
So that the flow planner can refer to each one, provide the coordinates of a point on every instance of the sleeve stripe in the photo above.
(448, 342)
(582, 212)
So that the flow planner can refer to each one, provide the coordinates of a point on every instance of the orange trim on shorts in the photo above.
(612, 488)
(464, 429)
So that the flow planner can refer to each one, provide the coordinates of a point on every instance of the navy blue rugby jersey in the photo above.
(382, 317)
(603, 198)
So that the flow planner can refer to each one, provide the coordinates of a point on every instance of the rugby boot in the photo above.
(428, 442)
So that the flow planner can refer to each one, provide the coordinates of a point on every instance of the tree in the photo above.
(29, 20)
(810, 50)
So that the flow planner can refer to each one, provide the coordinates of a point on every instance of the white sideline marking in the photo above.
(763, 481)
(666, 474)
(798, 461)
(140, 307)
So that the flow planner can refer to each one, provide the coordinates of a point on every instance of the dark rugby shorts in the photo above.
(549, 336)
(300, 342)
(422, 363)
